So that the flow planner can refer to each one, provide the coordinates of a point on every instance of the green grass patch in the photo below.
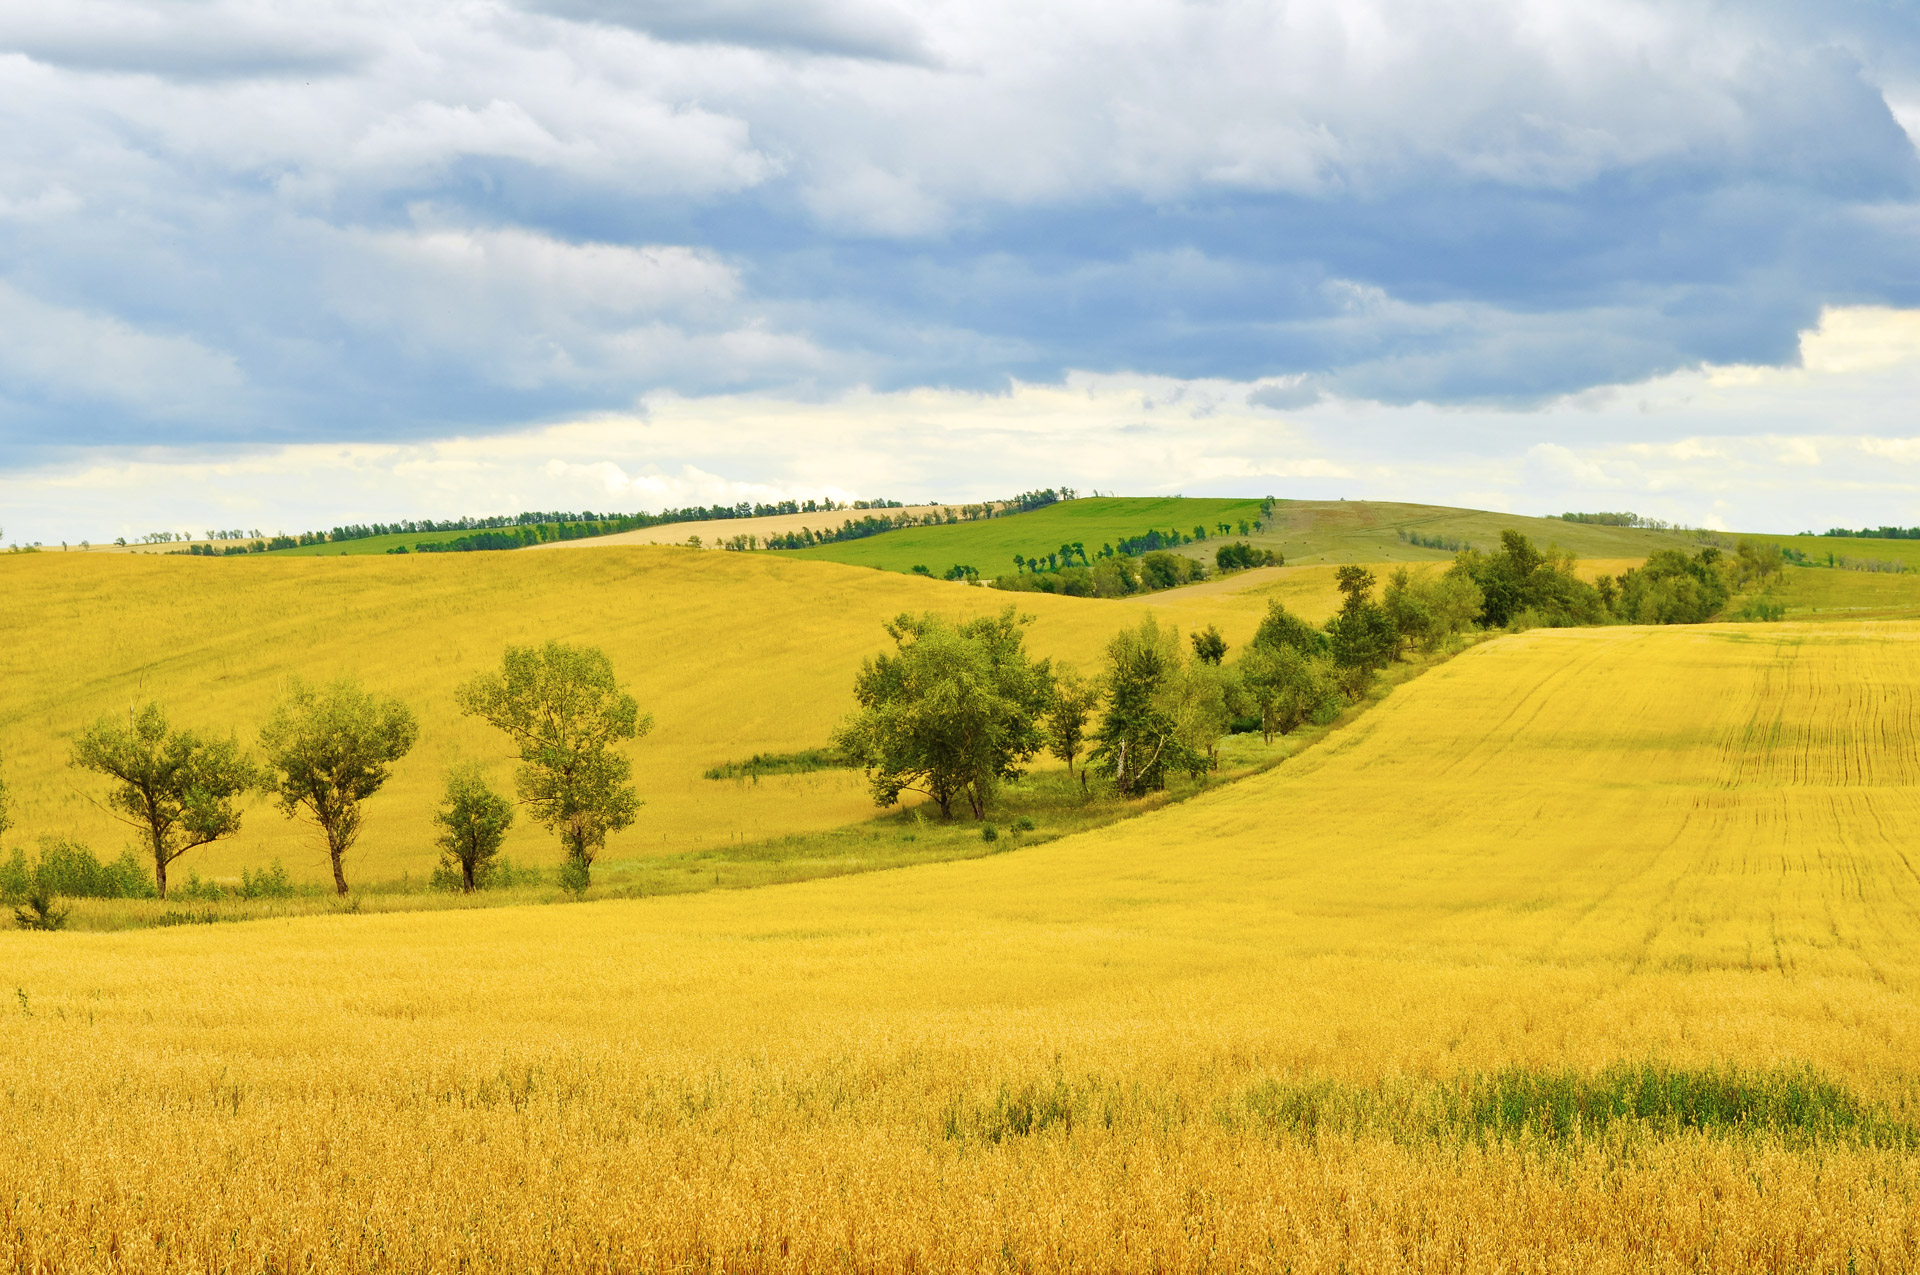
(804, 762)
(1519, 1104)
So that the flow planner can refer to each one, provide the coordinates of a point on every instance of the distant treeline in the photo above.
(1427, 540)
(505, 532)
(1133, 564)
(1877, 533)
(1619, 520)
(860, 529)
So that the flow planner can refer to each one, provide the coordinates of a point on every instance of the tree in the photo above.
(955, 711)
(1074, 699)
(1672, 588)
(329, 748)
(1521, 585)
(564, 712)
(1140, 737)
(1361, 636)
(1427, 610)
(1284, 687)
(1208, 646)
(177, 788)
(476, 819)
(1281, 627)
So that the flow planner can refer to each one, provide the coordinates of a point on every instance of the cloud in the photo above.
(415, 220)
(844, 28)
(55, 359)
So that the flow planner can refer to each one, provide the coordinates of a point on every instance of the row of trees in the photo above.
(958, 708)
(328, 749)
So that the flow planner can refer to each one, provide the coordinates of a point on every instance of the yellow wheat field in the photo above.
(732, 654)
(1561, 850)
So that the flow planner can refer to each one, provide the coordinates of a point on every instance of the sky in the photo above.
(289, 263)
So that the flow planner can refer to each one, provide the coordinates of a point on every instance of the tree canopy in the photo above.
(179, 789)
(1147, 728)
(329, 748)
(475, 820)
(953, 711)
(564, 711)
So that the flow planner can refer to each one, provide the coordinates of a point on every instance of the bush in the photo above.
(1763, 610)
(68, 869)
(39, 913)
(575, 875)
(499, 873)
(268, 883)
(989, 833)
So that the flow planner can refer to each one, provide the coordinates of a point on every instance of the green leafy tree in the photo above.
(1208, 646)
(178, 789)
(1283, 687)
(1142, 734)
(564, 711)
(1281, 627)
(1074, 700)
(329, 748)
(953, 712)
(1361, 637)
(475, 819)
(1521, 585)
(1426, 610)
(1672, 588)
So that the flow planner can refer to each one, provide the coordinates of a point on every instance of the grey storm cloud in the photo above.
(284, 220)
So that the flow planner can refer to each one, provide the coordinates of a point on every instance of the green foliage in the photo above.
(1361, 636)
(1074, 700)
(953, 713)
(1427, 611)
(1152, 712)
(989, 833)
(68, 869)
(1208, 646)
(1672, 588)
(804, 762)
(267, 883)
(39, 912)
(1241, 556)
(1023, 824)
(475, 819)
(178, 789)
(328, 750)
(1520, 585)
(564, 711)
(1281, 627)
(1763, 610)
(1284, 688)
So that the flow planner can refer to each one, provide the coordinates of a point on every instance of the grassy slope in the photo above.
(1305, 531)
(989, 546)
(1561, 850)
(732, 653)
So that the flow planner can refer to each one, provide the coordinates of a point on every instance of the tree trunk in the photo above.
(160, 872)
(466, 871)
(339, 874)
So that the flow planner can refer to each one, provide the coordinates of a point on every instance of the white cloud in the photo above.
(68, 354)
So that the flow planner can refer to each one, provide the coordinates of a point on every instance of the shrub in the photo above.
(39, 913)
(1023, 824)
(989, 833)
(268, 883)
(68, 869)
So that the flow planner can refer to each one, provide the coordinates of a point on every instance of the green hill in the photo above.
(1304, 531)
